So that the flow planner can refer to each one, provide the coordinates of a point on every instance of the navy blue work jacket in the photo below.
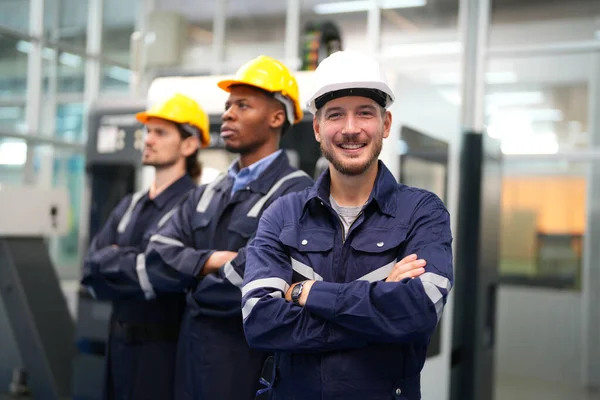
(139, 365)
(357, 337)
(214, 360)
(115, 268)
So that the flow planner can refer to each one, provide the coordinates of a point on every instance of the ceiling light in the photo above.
(364, 5)
(503, 99)
(491, 78)
(13, 153)
(534, 144)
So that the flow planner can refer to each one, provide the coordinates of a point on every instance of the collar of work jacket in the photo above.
(383, 193)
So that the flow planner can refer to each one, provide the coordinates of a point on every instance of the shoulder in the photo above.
(419, 197)
(288, 206)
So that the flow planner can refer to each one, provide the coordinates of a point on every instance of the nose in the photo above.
(148, 139)
(228, 115)
(350, 126)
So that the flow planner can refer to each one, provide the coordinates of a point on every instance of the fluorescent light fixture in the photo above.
(119, 74)
(364, 5)
(71, 60)
(422, 49)
(23, 46)
(503, 99)
(13, 153)
(451, 96)
(533, 144)
(500, 77)
(10, 113)
(48, 54)
(491, 78)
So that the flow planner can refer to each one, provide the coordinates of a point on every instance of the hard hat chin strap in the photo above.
(289, 107)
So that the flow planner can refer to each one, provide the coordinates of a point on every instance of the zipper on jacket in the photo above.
(350, 227)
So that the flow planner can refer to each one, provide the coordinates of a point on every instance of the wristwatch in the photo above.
(296, 292)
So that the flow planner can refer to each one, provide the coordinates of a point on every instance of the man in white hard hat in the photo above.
(323, 287)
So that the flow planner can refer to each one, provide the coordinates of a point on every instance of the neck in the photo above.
(352, 191)
(262, 152)
(163, 178)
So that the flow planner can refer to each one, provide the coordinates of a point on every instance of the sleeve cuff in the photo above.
(322, 299)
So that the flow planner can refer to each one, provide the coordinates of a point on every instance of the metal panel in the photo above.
(476, 275)
(38, 314)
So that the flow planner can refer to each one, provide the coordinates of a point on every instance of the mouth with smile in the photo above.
(351, 148)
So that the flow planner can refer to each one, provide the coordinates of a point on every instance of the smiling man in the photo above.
(202, 248)
(323, 287)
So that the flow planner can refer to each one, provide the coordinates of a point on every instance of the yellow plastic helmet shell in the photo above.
(271, 75)
(182, 110)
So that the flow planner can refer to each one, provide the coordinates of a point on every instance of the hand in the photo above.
(303, 295)
(216, 261)
(408, 267)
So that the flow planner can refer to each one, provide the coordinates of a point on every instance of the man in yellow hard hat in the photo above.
(201, 249)
(144, 326)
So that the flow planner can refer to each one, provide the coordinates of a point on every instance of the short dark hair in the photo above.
(192, 165)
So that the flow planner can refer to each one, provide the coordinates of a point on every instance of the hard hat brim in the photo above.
(226, 84)
(334, 87)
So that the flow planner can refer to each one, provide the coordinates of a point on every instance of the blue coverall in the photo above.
(214, 360)
(357, 337)
(144, 328)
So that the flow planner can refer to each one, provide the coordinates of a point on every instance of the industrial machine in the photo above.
(113, 168)
(36, 329)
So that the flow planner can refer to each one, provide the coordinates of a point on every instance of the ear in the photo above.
(317, 128)
(190, 145)
(387, 124)
(277, 119)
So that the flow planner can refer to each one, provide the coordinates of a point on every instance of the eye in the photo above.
(243, 106)
(334, 115)
(365, 113)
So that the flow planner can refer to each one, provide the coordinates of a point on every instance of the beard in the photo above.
(159, 164)
(350, 168)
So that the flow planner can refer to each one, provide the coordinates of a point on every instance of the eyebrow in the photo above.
(229, 102)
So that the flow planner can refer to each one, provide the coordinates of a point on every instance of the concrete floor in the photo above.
(516, 388)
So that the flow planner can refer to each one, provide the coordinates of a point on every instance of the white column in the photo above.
(292, 34)
(219, 28)
(474, 20)
(138, 85)
(93, 47)
(590, 276)
(374, 27)
(34, 82)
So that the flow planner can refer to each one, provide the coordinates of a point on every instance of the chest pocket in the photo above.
(244, 226)
(376, 251)
(309, 250)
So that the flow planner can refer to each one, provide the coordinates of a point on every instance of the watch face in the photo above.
(297, 289)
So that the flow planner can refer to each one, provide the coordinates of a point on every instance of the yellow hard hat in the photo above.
(182, 110)
(273, 76)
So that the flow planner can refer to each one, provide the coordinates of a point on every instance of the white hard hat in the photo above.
(350, 73)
